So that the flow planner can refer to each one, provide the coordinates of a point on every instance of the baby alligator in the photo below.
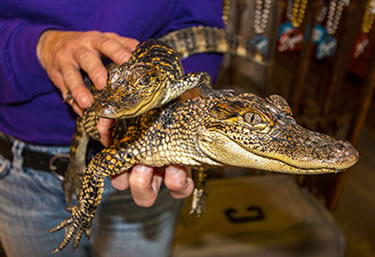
(152, 77)
(209, 131)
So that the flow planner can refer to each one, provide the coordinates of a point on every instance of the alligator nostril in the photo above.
(340, 145)
(347, 150)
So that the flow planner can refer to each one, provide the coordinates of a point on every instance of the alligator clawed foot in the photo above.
(198, 205)
(74, 226)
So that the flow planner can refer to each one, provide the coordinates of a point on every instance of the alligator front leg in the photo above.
(199, 81)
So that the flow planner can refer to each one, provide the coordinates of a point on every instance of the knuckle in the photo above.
(84, 55)
(111, 34)
(105, 42)
(68, 46)
(93, 34)
(69, 74)
(60, 53)
(55, 76)
(145, 202)
(97, 72)
(75, 93)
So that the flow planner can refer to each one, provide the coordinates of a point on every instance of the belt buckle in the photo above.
(52, 166)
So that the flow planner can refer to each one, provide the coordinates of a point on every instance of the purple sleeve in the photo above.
(21, 75)
(194, 13)
(203, 62)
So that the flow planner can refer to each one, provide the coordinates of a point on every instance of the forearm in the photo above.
(21, 75)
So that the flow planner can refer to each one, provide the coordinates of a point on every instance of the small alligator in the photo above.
(213, 130)
(152, 77)
(154, 74)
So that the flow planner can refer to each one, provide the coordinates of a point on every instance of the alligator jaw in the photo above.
(219, 147)
(106, 110)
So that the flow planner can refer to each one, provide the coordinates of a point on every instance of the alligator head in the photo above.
(250, 131)
(140, 86)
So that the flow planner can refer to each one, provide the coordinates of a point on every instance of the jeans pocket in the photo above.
(5, 166)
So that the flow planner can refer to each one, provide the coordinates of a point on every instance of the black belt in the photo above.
(55, 164)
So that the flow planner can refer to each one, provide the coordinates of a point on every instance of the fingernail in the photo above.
(84, 101)
(100, 82)
(141, 168)
(174, 169)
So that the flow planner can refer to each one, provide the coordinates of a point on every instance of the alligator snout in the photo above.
(105, 109)
(345, 153)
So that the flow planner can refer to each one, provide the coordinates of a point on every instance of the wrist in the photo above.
(40, 45)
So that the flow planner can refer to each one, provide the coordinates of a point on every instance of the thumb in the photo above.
(105, 132)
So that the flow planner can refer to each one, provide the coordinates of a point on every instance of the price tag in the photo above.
(259, 46)
(360, 45)
(286, 26)
(319, 33)
(290, 38)
(326, 48)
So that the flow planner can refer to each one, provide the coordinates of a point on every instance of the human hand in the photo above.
(63, 53)
(144, 182)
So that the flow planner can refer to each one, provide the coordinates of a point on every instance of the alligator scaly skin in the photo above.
(152, 77)
(213, 130)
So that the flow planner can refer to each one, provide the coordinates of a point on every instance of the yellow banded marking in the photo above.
(125, 139)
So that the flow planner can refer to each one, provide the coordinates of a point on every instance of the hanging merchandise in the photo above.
(260, 43)
(319, 31)
(290, 37)
(226, 9)
(296, 12)
(328, 45)
(367, 23)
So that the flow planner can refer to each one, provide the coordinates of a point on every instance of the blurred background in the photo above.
(318, 54)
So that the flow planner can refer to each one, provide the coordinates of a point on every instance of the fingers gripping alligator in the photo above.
(152, 77)
(210, 131)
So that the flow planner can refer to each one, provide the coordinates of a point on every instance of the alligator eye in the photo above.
(253, 118)
(155, 73)
(145, 80)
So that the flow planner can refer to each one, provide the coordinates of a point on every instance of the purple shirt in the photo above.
(31, 108)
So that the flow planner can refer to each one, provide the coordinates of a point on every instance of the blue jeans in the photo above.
(31, 202)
